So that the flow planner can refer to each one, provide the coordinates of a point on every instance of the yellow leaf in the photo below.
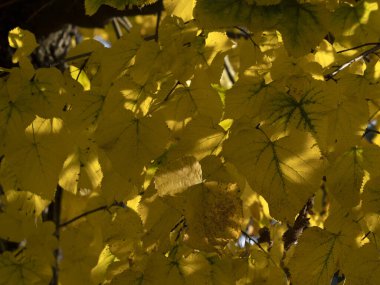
(218, 218)
(200, 138)
(362, 261)
(245, 98)
(345, 177)
(98, 273)
(177, 176)
(181, 8)
(304, 34)
(129, 142)
(325, 54)
(316, 257)
(19, 270)
(80, 246)
(24, 41)
(81, 170)
(350, 23)
(124, 232)
(158, 219)
(47, 93)
(37, 156)
(371, 195)
(285, 171)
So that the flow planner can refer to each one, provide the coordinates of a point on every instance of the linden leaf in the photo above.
(92, 6)
(177, 176)
(158, 219)
(25, 202)
(80, 170)
(303, 34)
(362, 261)
(135, 97)
(345, 121)
(24, 41)
(345, 177)
(214, 170)
(19, 270)
(200, 138)
(349, 23)
(285, 171)
(181, 8)
(46, 93)
(41, 243)
(245, 98)
(299, 103)
(218, 218)
(316, 257)
(81, 246)
(236, 13)
(116, 188)
(147, 63)
(325, 54)
(371, 195)
(124, 232)
(84, 110)
(37, 156)
(129, 142)
(15, 112)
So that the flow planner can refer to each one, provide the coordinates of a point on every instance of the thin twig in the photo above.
(347, 64)
(357, 47)
(9, 3)
(55, 209)
(159, 14)
(247, 34)
(39, 10)
(81, 68)
(71, 58)
(260, 247)
(86, 214)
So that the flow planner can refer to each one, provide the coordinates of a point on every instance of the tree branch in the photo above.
(86, 214)
(355, 59)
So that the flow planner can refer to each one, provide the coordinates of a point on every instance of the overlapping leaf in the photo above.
(37, 155)
(285, 170)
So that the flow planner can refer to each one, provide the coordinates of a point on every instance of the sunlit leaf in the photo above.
(285, 170)
(37, 156)
(24, 41)
(178, 176)
(130, 142)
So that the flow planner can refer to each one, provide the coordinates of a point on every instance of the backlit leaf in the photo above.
(285, 170)
(37, 156)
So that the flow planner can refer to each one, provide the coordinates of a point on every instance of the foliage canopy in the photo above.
(237, 146)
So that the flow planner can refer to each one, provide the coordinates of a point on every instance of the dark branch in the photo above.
(363, 55)
(87, 213)
(301, 223)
